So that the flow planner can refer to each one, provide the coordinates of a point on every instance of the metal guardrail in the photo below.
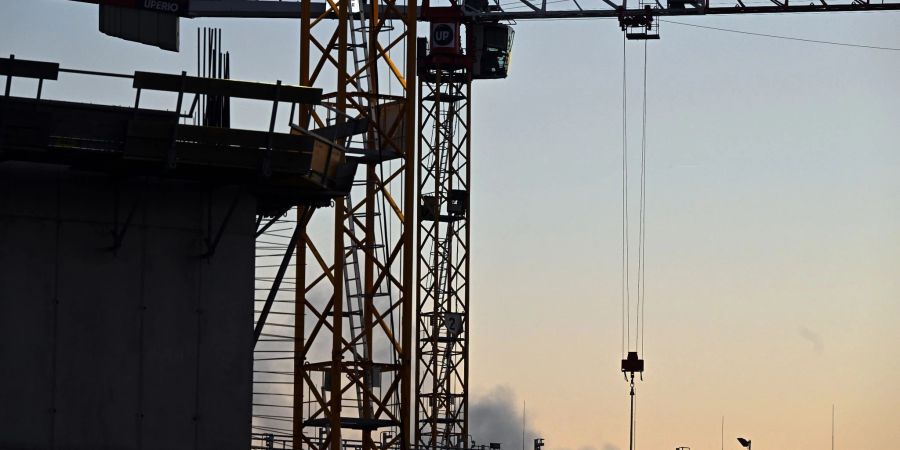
(326, 153)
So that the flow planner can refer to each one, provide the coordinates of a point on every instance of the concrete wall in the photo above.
(147, 347)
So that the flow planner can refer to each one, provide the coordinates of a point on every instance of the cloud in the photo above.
(497, 417)
(814, 338)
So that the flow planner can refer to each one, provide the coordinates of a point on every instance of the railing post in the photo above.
(267, 157)
(172, 156)
(9, 75)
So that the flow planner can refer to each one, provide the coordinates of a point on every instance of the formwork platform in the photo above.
(281, 169)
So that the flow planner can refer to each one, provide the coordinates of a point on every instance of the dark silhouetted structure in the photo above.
(127, 261)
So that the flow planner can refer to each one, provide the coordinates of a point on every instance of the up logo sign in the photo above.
(443, 35)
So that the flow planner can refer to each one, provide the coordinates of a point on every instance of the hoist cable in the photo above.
(638, 343)
(640, 249)
(639, 324)
(642, 245)
(626, 294)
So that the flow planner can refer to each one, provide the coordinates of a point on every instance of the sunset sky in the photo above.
(773, 219)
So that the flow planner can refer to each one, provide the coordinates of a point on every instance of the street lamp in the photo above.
(745, 443)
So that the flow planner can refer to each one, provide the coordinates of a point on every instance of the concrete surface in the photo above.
(147, 347)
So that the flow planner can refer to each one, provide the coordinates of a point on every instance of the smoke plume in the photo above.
(814, 338)
(497, 417)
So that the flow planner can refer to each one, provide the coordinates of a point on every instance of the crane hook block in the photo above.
(632, 364)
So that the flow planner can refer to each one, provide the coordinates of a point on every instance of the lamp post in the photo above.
(745, 443)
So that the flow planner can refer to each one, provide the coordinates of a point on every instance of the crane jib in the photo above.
(288, 9)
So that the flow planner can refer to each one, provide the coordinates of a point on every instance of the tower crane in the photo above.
(407, 230)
